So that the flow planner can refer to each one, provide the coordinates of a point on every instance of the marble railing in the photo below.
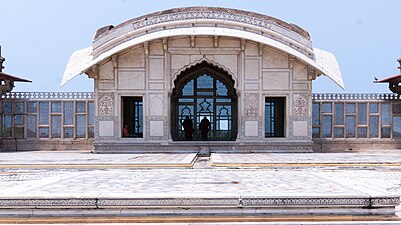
(90, 95)
(355, 96)
(356, 116)
(52, 115)
(49, 95)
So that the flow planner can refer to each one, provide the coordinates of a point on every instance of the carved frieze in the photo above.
(169, 202)
(303, 201)
(200, 202)
(266, 22)
(46, 203)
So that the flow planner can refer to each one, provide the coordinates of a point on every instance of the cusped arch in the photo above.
(198, 64)
(204, 89)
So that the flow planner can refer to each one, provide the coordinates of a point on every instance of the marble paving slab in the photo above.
(220, 159)
(85, 158)
(191, 183)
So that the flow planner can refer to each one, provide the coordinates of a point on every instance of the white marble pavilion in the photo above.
(249, 74)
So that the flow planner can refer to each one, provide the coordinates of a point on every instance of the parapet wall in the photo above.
(356, 122)
(47, 121)
(64, 121)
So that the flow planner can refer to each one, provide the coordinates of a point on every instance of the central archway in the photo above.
(202, 91)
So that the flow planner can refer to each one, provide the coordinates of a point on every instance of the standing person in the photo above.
(188, 128)
(204, 127)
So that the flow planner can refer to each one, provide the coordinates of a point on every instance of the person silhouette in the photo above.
(126, 131)
(188, 128)
(204, 127)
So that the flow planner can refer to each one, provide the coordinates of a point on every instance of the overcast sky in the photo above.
(38, 36)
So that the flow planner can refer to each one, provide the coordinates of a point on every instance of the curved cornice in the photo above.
(203, 21)
(288, 34)
(329, 68)
(202, 12)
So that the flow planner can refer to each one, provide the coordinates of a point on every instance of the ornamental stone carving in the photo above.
(294, 34)
(195, 202)
(106, 105)
(383, 201)
(320, 201)
(219, 14)
(201, 15)
(300, 105)
(46, 203)
(251, 104)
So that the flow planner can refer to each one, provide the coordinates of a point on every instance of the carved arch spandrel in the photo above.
(205, 61)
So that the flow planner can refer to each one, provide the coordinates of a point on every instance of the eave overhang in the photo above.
(82, 60)
(392, 79)
(203, 21)
(5, 76)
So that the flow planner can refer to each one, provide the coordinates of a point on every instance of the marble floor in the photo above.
(202, 179)
(391, 157)
(170, 182)
(75, 159)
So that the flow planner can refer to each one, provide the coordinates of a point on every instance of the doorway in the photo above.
(205, 91)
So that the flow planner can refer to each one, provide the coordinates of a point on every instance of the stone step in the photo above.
(207, 220)
(215, 206)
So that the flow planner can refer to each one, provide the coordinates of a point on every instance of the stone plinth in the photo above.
(205, 147)
(219, 206)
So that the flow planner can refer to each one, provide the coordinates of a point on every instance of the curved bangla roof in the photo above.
(193, 21)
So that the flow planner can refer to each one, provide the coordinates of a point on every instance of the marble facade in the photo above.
(144, 57)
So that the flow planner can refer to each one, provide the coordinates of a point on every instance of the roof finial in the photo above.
(399, 61)
(1, 61)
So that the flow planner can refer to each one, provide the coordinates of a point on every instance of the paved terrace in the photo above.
(119, 185)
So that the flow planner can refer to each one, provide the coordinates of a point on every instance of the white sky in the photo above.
(38, 36)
